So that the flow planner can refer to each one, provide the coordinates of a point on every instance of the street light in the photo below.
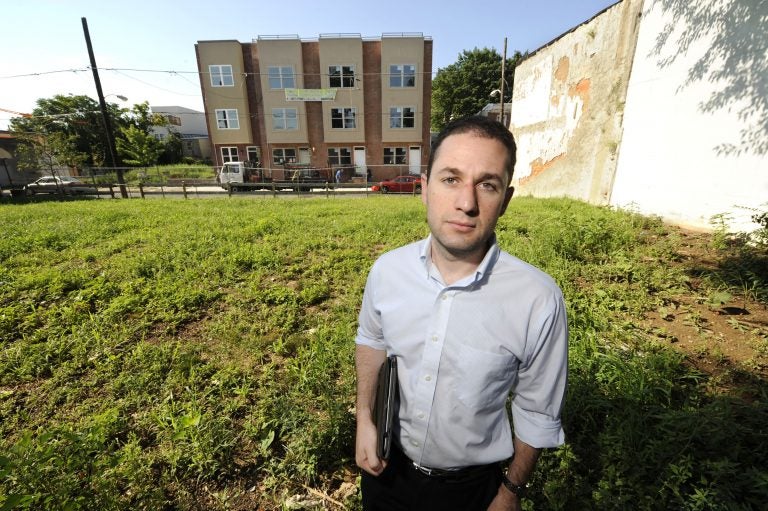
(118, 96)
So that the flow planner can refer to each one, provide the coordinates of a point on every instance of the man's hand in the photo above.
(367, 363)
(365, 448)
(505, 501)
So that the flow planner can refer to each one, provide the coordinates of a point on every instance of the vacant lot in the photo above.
(187, 355)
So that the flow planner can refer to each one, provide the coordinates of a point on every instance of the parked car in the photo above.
(58, 184)
(409, 183)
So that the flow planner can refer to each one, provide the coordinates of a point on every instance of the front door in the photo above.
(414, 159)
(360, 161)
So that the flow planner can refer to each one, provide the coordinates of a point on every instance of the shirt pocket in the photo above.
(484, 378)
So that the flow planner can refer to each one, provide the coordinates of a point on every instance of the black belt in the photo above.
(459, 473)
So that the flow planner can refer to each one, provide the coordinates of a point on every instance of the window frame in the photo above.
(346, 80)
(339, 158)
(285, 119)
(221, 74)
(286, 159)
(401, 116)
(229, 157)
(344, 118)
(231, 123)
(395, 158)
(282, 77)
(398, 76)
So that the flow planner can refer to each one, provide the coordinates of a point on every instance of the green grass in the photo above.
(174, 354)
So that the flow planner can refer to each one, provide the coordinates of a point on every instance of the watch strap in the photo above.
(518, 489)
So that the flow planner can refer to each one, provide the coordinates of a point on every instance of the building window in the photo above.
(229, 154)
(254, 154)
(402, 117)
(394, 156)
(339, 156)
(343, 118)
(221, 76)
(281, 77)
(226, 119)
(284, 119)
(341, 76)
(283, 155)
(402, 75)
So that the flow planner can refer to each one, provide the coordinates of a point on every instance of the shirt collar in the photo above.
(485, 266)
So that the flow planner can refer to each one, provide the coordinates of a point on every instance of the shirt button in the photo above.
(445, 297)
(427, 378)
(414, 443)
(434, 338)
(421, 415)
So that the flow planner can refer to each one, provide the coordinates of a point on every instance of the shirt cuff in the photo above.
(371, 343)
(536, 429)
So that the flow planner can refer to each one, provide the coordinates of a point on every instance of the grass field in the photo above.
(191, 355)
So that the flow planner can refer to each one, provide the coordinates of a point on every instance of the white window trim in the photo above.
(338, 151)
(283, 77)
(343, 110)
(394, 155)
(275, 161)
(284, 118)
(228, 118)
(341, 76)
(402, 75)
(401, 111)
(230, 156)
(217, 70)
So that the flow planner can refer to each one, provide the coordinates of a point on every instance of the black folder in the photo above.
(385, 406)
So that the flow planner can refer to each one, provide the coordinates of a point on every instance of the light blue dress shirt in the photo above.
(462, 348)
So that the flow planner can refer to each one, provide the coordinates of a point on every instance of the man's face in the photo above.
(465, 195)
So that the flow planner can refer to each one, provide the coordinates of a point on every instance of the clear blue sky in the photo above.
(145, 49)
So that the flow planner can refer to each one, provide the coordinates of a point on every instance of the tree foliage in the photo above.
(463, 88)
(68, 131)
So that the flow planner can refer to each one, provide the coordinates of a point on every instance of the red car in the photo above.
(409, 183)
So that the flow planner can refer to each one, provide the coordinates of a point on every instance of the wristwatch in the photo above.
(518, 489)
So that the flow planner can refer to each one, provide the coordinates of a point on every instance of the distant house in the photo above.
(493, 111)
(190, 125)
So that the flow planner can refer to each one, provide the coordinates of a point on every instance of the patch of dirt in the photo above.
(724, 336)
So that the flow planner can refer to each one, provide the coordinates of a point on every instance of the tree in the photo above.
(139, 148)
(136, 143)
(66, 129)
(464, 88)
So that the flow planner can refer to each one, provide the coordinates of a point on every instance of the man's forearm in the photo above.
(367, 364)
(519, 472)
(522, 464)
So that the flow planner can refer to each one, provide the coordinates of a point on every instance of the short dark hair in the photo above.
(482, 127)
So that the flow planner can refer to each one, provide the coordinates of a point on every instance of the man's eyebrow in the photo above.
(486, 176)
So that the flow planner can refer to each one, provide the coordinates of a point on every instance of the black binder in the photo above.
(385, 406)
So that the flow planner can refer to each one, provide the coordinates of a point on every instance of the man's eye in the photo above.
(488, 186)
(449, 180)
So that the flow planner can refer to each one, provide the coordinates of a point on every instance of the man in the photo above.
(468, 323)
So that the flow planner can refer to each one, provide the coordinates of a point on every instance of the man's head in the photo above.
(467, 188)
(482, 127)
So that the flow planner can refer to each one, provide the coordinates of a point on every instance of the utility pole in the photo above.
(107, 123)
(501, 96)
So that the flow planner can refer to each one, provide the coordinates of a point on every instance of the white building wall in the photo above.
(671, 161)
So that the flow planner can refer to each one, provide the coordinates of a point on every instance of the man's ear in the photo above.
(507, 197)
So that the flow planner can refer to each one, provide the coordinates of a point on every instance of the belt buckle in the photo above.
(424, 470)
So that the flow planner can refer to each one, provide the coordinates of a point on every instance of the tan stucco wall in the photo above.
(402, 50)
(281, 52)
(343, 51)
(224, 53)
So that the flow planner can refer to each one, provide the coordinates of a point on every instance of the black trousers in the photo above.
(402, 487)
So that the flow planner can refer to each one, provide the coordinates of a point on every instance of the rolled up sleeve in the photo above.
(542, 379)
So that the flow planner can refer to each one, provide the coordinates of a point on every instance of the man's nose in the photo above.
(467, 199)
